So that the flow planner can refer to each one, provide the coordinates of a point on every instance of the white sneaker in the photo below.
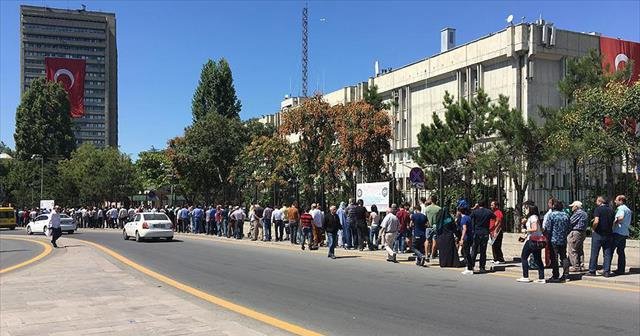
(524, 280)
(498, 262)
(541, 281)
(467, 272)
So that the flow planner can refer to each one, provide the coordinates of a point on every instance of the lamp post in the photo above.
(41, 158)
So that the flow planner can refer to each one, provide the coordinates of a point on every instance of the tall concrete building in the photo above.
(82, 34)
(524, 62)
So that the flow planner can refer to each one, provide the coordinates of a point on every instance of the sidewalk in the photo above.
(77, 290)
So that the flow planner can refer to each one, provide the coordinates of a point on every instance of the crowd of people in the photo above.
(426, 230)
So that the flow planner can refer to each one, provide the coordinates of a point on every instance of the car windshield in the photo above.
(158, 216)
(64, 216)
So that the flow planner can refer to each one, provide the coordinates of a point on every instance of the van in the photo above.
(7, 218)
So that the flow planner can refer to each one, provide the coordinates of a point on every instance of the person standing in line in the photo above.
(532, 228)
(433, 212)
(558, 226)
(256, 220)
(208, 220)
(547, 250)
(285, 220)
(404, 219)
(344, 235)
(466, 234)
(621, 226)
(306, 222)
(113, 216)
(277, 217)
(332, 225)
(266, 223)
(122, 217)
(496, 233)
(293, 217)
(351, 223)
(100, 216)
(318, 219)
(54, 225)
(374, 226)
(239, 216)
(480, 218)
(361, 215)
(183, 216)
(198, 215)
(601, 237)
(575, 239)
(221, 228)
(389, 230)
(419, 222)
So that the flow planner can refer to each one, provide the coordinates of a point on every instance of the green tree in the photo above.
(154, 169)
(373, 98)
(215, 92)
(453, 144)
(204, 157)
(43, 123)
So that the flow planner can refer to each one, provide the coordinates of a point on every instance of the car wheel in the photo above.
(169, 238)
(70, 232)
(29, 230)
(124, 235)
(44, 230)
(138, 238)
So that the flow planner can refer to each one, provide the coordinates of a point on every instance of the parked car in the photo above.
(39, 225)
(146, 225)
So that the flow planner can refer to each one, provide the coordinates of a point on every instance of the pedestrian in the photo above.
(433, 212)
(332, 226)
(344, 234)
(360, 217)
(496, 233)
(532, 245)
(351, 223)
(306, 222)
(256, 221)
(547, 250)
(113, 216)
(575, 239)
(277, 217)
(466, 233)
(238, 217)
(389, 230)
(621, 226)
(480, 218)
(266, 223)
(198, 220)
(100, 215)
(601, 237)
(374, 226)
(293, 217)
(558, 227)
(419, 222)
(404, 220)
(54, 225)
(446, 240)
(318, 219)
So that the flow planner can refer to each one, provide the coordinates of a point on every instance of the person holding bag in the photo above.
(534, 242)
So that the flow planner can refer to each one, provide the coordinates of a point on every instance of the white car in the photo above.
(145, 225)
(39, 225)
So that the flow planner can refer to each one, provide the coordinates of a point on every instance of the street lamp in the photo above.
(39, 157)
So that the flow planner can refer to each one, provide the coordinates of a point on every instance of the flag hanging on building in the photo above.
(616, 54)
(70, 73)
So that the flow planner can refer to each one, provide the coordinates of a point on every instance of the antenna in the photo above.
(510, 19)
(305, 48)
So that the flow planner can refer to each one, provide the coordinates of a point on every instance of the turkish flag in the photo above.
(70, 73)
(616, 54)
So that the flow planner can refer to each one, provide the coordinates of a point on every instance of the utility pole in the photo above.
(305, 48)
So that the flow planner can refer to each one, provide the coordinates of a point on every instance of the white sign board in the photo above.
(47, 204)
(374, 193)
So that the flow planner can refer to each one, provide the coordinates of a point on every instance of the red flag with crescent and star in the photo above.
(616, 54)
(70, 73)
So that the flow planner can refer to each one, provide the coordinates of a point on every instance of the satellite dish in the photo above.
(510, 19)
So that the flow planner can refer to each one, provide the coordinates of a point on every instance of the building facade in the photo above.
(82, 34)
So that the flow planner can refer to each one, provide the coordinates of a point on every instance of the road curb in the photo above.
(47, 250)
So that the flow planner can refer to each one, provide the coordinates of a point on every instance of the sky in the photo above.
(162, 46)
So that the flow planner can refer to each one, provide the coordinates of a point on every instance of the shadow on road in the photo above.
(3, 251)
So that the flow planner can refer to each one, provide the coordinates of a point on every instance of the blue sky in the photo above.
(163, 44)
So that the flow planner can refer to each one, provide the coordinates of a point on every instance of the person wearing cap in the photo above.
(575, 239)
(54, 225)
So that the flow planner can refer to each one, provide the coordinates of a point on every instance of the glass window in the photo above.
(156, 216)
(137, 218)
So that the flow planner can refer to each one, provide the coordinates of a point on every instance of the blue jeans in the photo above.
(346, 236)
(400, 242)
(332, 241)
(306, 233)
(619, 243)
(606, 243)
(527, 250)
(373, 235)
(266, 228)
(418, 247)
(195, 225)
(353, 233)
(479, 246)
(222, 228)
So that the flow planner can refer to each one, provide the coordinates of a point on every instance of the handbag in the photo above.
(539, 241)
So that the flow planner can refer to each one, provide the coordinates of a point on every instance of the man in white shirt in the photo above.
(389, 230)
(277, 218)
(318, 218)
(54, 225)
(239, 216)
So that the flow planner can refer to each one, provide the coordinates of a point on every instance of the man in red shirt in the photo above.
(306, 222)
(404, 219)
(495, 232)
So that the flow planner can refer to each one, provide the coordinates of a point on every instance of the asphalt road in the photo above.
(13, 252)
(354, 296)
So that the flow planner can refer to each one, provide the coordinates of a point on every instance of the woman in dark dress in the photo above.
(446, 240)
